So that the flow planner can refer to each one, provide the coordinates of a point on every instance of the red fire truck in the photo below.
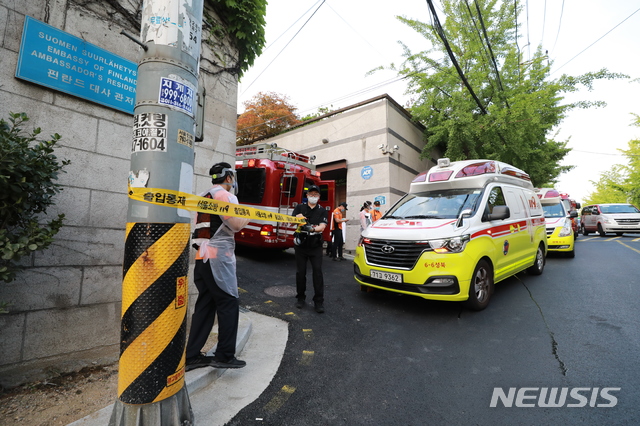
(276, 179)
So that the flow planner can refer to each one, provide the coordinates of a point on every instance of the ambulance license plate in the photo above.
(386, 276)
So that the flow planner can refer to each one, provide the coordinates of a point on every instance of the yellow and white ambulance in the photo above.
(560, 234)
(462, 227)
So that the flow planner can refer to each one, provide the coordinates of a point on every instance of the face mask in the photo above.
(378, 208)
(313, 200)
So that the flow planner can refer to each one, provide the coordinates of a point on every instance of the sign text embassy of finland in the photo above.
(58, 60)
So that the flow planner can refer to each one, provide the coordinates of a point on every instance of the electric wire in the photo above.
(440, 31)
(603, 36)
(291, 26)
(276, 57)
(559, 26)
(493, 58)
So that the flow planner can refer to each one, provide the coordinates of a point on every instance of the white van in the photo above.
(462, 227)
(615, 217)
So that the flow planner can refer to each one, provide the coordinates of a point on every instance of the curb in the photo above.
(195, 380)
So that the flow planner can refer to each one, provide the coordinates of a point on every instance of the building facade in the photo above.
(371, 149)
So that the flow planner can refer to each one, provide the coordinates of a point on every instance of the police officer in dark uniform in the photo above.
(308, 247)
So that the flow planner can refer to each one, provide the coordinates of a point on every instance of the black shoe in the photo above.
(341, 258)
(335, 259)
(199, 361)
(319, 308)
(300, 303)
(232, 363)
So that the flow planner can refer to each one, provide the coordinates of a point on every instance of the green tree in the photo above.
(621, 184)
(28, 173)
(321, 111)
(478, 99)
(610, 188)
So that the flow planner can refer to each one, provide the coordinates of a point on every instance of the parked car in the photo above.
(618, 218)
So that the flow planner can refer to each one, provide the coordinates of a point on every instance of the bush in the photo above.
(28, 174)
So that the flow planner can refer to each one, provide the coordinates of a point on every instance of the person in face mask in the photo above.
(376, 213)
(308, 247)
(215, 277)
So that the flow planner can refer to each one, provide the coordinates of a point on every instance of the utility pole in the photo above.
(151, 385)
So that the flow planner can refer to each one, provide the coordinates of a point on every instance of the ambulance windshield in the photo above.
(439, 204)
(553, 210)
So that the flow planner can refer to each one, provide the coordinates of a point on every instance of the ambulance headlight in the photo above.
(566, 229)
(450, 245)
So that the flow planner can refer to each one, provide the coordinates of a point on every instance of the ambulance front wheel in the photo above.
(480, 287)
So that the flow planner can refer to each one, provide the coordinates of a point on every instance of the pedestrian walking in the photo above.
(337, 221)
(308, 248)
(215, 278)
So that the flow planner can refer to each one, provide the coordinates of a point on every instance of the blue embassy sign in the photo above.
(58, 60)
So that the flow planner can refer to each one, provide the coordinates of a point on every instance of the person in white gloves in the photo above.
(215, 277)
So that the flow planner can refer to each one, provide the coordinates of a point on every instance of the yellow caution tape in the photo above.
(183, 200)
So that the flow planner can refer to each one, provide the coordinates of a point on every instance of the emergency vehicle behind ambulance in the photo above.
(560, 232)
(276, 180)
(463, 227)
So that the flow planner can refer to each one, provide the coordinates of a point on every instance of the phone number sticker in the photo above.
(176, 94)
(149, 132)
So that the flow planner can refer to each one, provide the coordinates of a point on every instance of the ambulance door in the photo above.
(520, 242)
(504, 235)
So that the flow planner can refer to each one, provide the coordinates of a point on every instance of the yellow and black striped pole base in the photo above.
(154, 324)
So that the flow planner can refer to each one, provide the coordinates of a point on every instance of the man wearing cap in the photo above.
(376, 214)
(336, 230)
(308, 246)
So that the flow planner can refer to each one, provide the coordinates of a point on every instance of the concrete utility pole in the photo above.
(151, 382)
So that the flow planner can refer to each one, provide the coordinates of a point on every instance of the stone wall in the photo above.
(65, 306)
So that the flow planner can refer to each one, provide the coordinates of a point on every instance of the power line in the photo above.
(291, 26)
(276, 57)
(603, 36)
(493, 58)
(559, 26)
(443, 37)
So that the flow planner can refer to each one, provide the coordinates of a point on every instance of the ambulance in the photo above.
(561, 235)
(463, 227)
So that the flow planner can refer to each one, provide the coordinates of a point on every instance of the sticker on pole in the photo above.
(149, 132)
(176, 94)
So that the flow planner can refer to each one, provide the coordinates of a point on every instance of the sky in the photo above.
(318, 54)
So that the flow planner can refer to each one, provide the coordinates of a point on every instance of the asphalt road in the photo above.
(388, 359)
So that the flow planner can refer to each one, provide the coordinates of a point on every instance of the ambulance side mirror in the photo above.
(573, 214)
(463, 214)
(499, 212)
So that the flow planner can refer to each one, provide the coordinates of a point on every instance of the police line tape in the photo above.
(183, 200)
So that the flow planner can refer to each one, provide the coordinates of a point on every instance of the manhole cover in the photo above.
(281, 291)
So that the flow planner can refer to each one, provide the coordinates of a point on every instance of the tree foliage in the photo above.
(266, 114)
(500, 107)
(621, 184)
(321, 111)
(28, 173)
(245, 22)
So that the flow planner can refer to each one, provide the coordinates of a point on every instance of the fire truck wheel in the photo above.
(480, 287)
